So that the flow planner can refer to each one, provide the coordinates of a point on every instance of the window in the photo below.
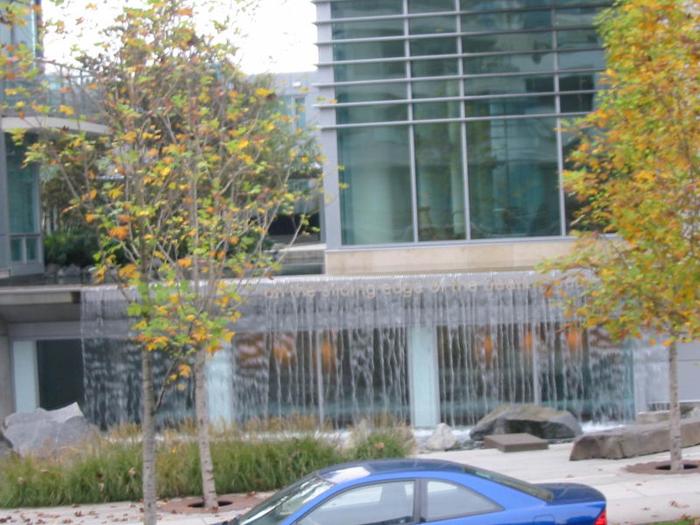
(353, 8)
(506, 85)
(433, 24)
(428, 6)
(368, 29)
(370, 92)
(385, 503)
(363, 50)
(445, 501)
(375, 167)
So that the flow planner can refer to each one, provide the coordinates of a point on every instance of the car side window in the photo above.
(378, 504)
(447, 500)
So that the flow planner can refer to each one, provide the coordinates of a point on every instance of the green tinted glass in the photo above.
(530, 62)
(434, 46)
(360, 114)
(582, 60)
(578, 38)
(436, 110)
(368, 29)
(352, 72)
(433, 24)
(430, 6)
(513, 178)
(482, 23)
(370, 92)
(493, 107)
(510, 84)
(363, 50)
(435, 89)
(507, 42)
(439, 182)
(353, 8)
(434, 68)
(375, 166)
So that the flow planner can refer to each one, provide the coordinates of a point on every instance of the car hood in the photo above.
(566, 493)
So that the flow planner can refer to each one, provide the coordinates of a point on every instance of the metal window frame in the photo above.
(330, 126)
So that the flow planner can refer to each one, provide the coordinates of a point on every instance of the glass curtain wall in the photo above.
(447, 113)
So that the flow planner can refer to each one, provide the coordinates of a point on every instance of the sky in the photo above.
(277, 37)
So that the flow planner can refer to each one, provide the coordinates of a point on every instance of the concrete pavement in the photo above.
(633, 499)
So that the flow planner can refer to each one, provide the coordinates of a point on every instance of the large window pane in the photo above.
(360, 114)
(351, 72)
(578, 39)
(579, 81)
(511, 84)
(507, 42)
(362, 50)
(490, 5)
(434, 46)
(433, 24)
(530, 62)
(492, 107)
(375, 166)
(435, 89)
(513, 178)
(506, 21)
(368, 29)
(16, 253)
(370, 92)
(22, 188)
(436, 110)
(578, 16)
(353, 8)
(577, 103)
(440, 182)
(582, 60)
(434, 68)
(429, 6)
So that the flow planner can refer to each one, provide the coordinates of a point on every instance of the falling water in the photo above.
(337, 349)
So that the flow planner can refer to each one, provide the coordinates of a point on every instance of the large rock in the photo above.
(633, 440)
(543, 422)
(47, 432)
(5, 447)
(442, 439)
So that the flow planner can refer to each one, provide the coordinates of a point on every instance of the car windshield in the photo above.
(286, 502)
(522, 486)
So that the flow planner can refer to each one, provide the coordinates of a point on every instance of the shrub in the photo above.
(109, 470)
(64, 248)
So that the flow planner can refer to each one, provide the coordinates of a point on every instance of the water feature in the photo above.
(343, 349)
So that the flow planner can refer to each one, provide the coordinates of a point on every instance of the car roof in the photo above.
(368, 469)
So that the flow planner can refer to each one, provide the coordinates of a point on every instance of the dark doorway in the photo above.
(60, 365)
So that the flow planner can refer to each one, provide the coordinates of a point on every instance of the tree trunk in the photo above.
(675, 411)
(148, 426)
(202, 415)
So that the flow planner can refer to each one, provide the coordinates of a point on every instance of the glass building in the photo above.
(440, 117)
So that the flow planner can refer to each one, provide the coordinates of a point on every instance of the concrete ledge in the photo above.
(467, 257)
(515, 442)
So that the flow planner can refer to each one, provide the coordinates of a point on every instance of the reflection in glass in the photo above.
(530, 62)
(536, 41)
(351, 72)
(376, 206)
(582, 60)
(578, 38)
(513, 178)
(362, 50)
(510, 106)
(436, 110)
(434, 68)
(579, 81)
(357, 8)
(515, 20)
(577, 16)
(429, 6)
(433, 24)
(489, 5)
(440, 182)
(576, 103)
(434, 46)
(435, 89)
(510, 84)
(370, 92)
(16, 254)
(367, 29)
(358, 114)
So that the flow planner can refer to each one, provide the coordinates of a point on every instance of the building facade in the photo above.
(440, 122)
(442, 131)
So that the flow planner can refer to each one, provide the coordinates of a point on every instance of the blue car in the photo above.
(406, 492)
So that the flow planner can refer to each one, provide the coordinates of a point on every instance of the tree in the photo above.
(637, 177)
(182, 190)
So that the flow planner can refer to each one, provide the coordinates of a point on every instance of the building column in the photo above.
(26, 376)
(424, 381)
(7, 404)
(220, 376)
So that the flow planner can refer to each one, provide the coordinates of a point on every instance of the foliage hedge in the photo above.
(109, 470)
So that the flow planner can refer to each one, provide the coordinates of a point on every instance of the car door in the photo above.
(379, 503)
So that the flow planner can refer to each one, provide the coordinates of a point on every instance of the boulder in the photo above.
(47, 432)
(543, 422)
(442, 439)
(5, 447)
(633, 440)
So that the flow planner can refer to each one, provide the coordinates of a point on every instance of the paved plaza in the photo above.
(632, 498)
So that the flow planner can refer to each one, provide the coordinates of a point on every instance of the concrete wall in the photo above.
(473, 257)
(6, 391)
